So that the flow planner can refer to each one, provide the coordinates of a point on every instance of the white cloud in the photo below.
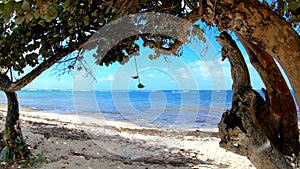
(165, 69)
(184, 73)
(198, 69)
(210, 69)
(108, 78)
(212, 72)
(181, 70)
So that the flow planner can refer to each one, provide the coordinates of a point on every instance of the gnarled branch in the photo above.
(239, 70)
(280, 121)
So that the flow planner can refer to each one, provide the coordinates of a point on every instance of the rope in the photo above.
(136, 69)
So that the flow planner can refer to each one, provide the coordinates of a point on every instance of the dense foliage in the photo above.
(35, 30)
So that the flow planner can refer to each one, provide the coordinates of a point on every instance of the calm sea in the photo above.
(162, 109)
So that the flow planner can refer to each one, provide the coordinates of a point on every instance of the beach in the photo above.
(88, 142)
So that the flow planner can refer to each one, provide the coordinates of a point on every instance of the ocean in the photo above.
(158, 108)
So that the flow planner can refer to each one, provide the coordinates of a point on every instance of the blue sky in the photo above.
(197, 69)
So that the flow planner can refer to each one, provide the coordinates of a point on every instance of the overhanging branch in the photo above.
(19, 84)
(164, 50)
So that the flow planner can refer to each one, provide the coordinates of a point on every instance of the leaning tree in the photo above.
(38, 34)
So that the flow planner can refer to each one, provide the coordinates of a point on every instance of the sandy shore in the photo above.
(93, 143)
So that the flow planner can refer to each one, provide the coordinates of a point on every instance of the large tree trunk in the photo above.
(12, 134)
(261, 26)
(240, 133)
(12, 123)
(244, 128)
(280, 122)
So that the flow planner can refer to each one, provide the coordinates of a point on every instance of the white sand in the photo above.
(119, 145)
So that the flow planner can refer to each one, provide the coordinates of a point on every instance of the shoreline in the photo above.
(98, 143)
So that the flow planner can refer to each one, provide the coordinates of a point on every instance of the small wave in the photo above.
(82, 90)
(65, 90)
(31, 90)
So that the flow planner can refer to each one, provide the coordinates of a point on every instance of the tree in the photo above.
(38, 34)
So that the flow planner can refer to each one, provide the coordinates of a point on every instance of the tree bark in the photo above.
(239, 71)
(240, 133)
(13, 134)
(241, 129)
(12, 119)
(280, 122)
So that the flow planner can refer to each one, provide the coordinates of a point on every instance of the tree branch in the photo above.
(152, 44)
(192, 17)
(19, 84)
(277, 37)
(239, 71)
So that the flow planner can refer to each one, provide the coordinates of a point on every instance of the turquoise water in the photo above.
(163, 109)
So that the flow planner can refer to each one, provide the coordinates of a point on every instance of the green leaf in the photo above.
(294, 5)
(28, 33)
(25, 6)
(53, 10)
(42, 23)
(8, 10)
(71, 31)
(18, 5)
(75, 2)
(71, 21)
(36, 14)
(48, 18)
(55, 35)
(66, 4)
(19, 139)
(6, 134)
(28, 17)
(108, 9)
(20, 148)
(47, 136)
(86, 21)
(94, 14)
(19, 20)
(2, 9)
(4, 155)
